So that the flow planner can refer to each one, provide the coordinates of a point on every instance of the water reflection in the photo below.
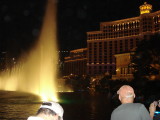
(17, 111)
(77, 106)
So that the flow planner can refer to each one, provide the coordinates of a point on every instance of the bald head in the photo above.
(126, 94)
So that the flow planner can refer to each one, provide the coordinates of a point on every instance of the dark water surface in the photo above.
(77, 106)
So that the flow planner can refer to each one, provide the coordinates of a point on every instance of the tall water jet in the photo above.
(36, 72)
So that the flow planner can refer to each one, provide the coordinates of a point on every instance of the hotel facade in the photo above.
(120, 36)
(75, 63)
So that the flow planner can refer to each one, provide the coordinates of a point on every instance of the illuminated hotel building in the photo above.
(75, 64)
(119, 36)
(123, 69)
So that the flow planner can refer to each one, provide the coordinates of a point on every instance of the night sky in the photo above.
(21, 20)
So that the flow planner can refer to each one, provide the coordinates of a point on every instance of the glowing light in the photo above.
(44, 98)
(118, 70)
(49, 98)
(145, 8)
(70, 91)
(145, 11)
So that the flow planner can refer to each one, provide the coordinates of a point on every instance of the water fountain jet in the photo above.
(38, 72)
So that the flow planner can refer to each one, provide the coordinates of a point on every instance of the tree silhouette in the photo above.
(146, 60)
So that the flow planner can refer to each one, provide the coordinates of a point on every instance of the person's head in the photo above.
(51, 111)
(126, 94)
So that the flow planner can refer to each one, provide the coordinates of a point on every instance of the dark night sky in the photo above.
(20, 20)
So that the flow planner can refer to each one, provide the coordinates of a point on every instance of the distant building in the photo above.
(113, 41)
(124, 71)
(76, 62)
(119, 36)
(62, 54)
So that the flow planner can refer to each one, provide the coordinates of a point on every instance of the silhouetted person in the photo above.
(129, 110)
(49, 111)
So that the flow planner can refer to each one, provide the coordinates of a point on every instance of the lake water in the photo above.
(77, 106)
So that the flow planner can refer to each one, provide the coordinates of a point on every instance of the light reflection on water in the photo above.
(17, 111)
(17, 105)
(77, 106)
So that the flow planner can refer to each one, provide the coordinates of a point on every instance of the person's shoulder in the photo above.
(139, 104)
(129, 105)
(117, 108)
